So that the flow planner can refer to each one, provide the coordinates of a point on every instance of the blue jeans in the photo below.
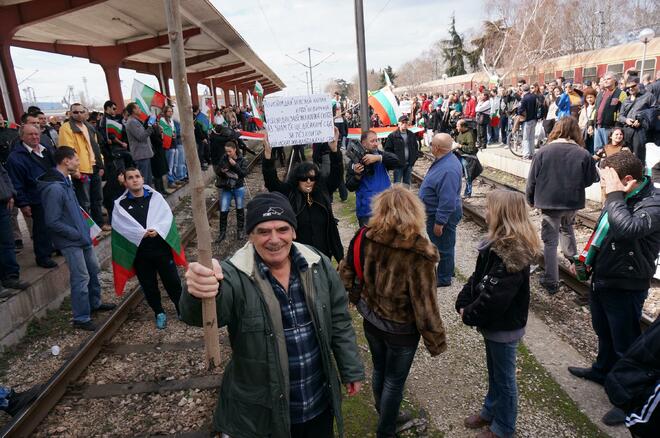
(8, 265)
(180, 169)
(170, 156)
(504, 128)
(493, 134)
(144, 166)
(468, 178)
(501, 402)
(237, 194)
(445, 244)
(5, 392)
(615, 315)
(404, 173)
(601, 137)
(391, 367)
(84, 279)
(529, 130)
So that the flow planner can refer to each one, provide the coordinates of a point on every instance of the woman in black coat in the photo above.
(310, 196)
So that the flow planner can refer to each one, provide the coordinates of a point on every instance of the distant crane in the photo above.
(30, 96)
(69, 97)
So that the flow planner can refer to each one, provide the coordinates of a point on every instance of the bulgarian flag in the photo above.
(258, 89)
(168, 132)
(384, 104)
(113, 127)
(127, 234)
(257, 118)
(94, 229)
(247, 135)
(146, 98)
(384, 132)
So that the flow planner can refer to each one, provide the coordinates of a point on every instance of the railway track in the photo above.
(26, 422)
(478, 216)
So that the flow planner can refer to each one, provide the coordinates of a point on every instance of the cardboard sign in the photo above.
(405, 106)
(292, 120)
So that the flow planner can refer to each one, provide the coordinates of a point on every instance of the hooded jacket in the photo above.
(496, 296)
(398, 294)
(62, 213)
(254, 395)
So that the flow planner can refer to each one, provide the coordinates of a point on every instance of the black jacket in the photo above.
(6, 187)
(231, 177)
(496, 296)
(634, 377)
(558, 176)
(218, 139)
(320, 195)
(397, 146)
(627, 256)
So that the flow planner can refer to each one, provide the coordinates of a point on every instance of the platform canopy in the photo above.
(133, 34)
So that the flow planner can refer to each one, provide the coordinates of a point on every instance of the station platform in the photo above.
(49, 287)
(501, 158)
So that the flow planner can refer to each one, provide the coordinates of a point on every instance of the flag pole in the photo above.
(365, 121)
(175, 34)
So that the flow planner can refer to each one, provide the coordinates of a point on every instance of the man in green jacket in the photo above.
(286, 311)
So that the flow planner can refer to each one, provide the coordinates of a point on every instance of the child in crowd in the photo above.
(495, 299)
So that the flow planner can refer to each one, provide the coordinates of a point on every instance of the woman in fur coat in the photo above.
(496, 301)
(390, 273)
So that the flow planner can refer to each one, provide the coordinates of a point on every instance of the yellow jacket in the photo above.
(88, 152)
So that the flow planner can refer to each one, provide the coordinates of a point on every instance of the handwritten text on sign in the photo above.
(292, 120)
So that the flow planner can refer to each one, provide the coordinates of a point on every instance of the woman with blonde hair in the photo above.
(495, 299)
(389, 272)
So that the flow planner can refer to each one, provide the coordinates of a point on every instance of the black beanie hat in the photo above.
(269, 207)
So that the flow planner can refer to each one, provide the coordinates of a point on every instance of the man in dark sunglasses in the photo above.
(636, 115)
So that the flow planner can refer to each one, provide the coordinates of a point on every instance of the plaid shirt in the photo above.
(307, 390)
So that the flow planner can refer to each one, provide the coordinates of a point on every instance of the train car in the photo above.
(578, 67)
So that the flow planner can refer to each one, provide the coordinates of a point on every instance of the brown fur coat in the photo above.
(399, 283)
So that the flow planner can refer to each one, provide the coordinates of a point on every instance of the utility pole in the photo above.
(365, 121)
(310, 66)
(601, 25)
(175, 34)
(307, 82)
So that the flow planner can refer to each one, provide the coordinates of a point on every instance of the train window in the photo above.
(649, 66)
(590, 74)
(617, 69)
(548, 77)
(568, 74)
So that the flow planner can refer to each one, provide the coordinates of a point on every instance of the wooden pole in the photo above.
(183, 100)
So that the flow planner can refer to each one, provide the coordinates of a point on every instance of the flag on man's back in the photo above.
(127, 234)
(257, 118)
(168, 132)
(146, 98)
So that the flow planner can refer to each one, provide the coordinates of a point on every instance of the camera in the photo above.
(356, 152)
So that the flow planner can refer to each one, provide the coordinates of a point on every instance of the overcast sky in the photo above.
(396, 31)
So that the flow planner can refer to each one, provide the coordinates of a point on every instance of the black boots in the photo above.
(240, 223)
(223, 226)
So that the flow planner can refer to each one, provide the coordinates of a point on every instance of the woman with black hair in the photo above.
(310, 196)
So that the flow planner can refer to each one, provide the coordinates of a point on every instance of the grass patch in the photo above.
(538, 388)
(347, 210)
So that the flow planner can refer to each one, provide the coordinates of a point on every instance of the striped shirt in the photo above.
(308, 396)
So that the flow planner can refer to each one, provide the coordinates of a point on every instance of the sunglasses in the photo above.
(307, 178)
(77, 112)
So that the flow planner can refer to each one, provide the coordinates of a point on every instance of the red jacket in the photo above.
(469, 110)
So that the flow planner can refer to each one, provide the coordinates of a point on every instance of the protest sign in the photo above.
(405, 106)
(292, 120)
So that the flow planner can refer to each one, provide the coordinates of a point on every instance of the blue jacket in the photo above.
(62, 212)
(24, 170)
(373, 181)
(441, 188)
(564, 106)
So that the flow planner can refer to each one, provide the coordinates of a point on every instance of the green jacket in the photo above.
(254, 395)
(466, 140)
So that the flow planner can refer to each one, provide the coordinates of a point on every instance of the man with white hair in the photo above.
(608, 103)
(441, 194)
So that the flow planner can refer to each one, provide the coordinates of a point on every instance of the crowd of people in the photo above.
(287, 307)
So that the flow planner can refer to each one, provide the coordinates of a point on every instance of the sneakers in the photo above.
(15, 283)
(47, 263)
(87, 326)
(105, 307)
(551, 288)
(19, 400)
(161, 321)
(614, 417)
(4, 293)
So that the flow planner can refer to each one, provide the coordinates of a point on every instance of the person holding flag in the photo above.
(145, 242)
(72, 234)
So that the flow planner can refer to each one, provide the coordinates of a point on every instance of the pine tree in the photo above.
(454, 52)
(390, 73)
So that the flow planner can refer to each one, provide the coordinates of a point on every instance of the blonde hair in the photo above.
(398, 209)
(508, 220)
